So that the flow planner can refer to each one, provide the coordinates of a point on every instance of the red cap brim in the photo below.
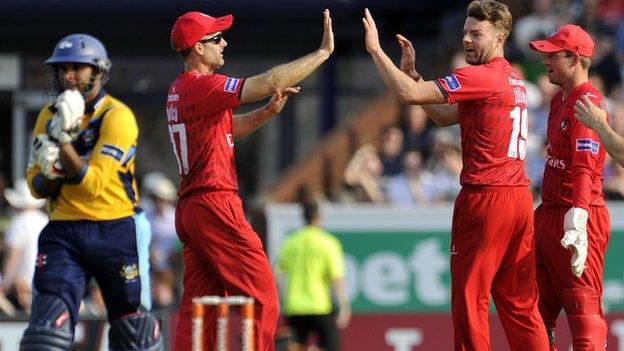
(222, 23)
(544, 46)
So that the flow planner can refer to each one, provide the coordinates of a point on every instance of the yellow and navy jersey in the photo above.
(106, 188)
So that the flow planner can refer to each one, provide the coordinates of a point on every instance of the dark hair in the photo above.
(492, 11)
(310, 211)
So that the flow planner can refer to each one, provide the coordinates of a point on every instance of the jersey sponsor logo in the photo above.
(451, 82)
(112, 151)
(173, 97)
(514, 81)
(231, 84)
(129, 272)
(587, 145)
(556, 163)
(520, 95)
(591, 95)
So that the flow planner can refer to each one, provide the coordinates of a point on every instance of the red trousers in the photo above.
(493, 254)
(223, 255)
(558, 287)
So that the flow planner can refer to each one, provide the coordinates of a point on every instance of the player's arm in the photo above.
(289, 74)
(444, 114)
(40, 186)
(245, 124)
(403, 86)
(337, 273)
(595, 117)
(114, 148)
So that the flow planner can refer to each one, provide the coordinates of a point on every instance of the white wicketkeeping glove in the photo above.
(46, 154)
(575, 238)
(70, 107)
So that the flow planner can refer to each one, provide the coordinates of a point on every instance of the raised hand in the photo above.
(278, 100)
(408, 57)
(327, 44)
(371, 36)
(589, 114)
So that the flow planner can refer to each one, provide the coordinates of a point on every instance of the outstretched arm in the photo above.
(444, 114)
(403, 86)
(595, 118)
(288, 74)
(245, 124)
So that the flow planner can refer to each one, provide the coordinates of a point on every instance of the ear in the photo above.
(198, 48)
(500, 38)
(576, 59)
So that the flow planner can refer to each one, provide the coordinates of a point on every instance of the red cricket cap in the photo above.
(189, 28)
(568, 37)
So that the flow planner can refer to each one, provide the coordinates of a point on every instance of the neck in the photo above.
(194, 65)
(579, 77)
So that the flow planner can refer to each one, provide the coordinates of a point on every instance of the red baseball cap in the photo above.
(568, 37)
(189, 28)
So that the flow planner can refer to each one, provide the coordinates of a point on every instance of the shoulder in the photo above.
(113, 108)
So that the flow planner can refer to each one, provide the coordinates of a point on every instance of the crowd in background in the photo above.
(415, 163)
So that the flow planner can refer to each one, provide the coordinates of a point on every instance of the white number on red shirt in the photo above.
(179, 146)
(518, 140)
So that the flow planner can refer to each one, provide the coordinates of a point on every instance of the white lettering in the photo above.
(556, 163)
(429, 264)
(229, 139)
(403, 339)
(385, 278)
(617, 329)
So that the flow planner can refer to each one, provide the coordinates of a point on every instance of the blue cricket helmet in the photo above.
(81, 48)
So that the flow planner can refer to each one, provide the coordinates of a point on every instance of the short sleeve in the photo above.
(469, 83)
(217, 92)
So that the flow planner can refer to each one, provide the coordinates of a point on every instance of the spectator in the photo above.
(416, 129)
(390, 150)
(21, 242)
(536, 24)
(363, 175)
(312, 262)
(406, 188)
(160, 212)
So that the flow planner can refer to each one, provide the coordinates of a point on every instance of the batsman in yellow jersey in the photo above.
(82, 161)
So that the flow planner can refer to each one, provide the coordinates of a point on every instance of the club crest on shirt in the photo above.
(587, 145)
(564, 124)
(451, 82)
(129, 272)
(231, 84)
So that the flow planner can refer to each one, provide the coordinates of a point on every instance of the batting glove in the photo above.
(46, 154)
(70, 107)
(575, 238)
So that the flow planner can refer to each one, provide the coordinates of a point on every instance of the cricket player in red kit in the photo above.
(572, 223)
(222, 254)
(492, 246)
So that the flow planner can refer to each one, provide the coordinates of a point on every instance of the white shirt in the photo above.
(23, 233)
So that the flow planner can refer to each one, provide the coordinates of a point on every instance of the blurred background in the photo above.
(384, 175)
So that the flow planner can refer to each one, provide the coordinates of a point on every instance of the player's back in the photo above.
(492, 104)
(199, 116)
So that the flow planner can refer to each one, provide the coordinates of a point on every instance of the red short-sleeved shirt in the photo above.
(199, 116)
(575, 156)
(491, 98)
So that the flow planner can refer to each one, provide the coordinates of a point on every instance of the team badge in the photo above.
(231, 84)
(452, 82)
(587, 145)
(42, 260)
(129, 272)
(564, 124)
